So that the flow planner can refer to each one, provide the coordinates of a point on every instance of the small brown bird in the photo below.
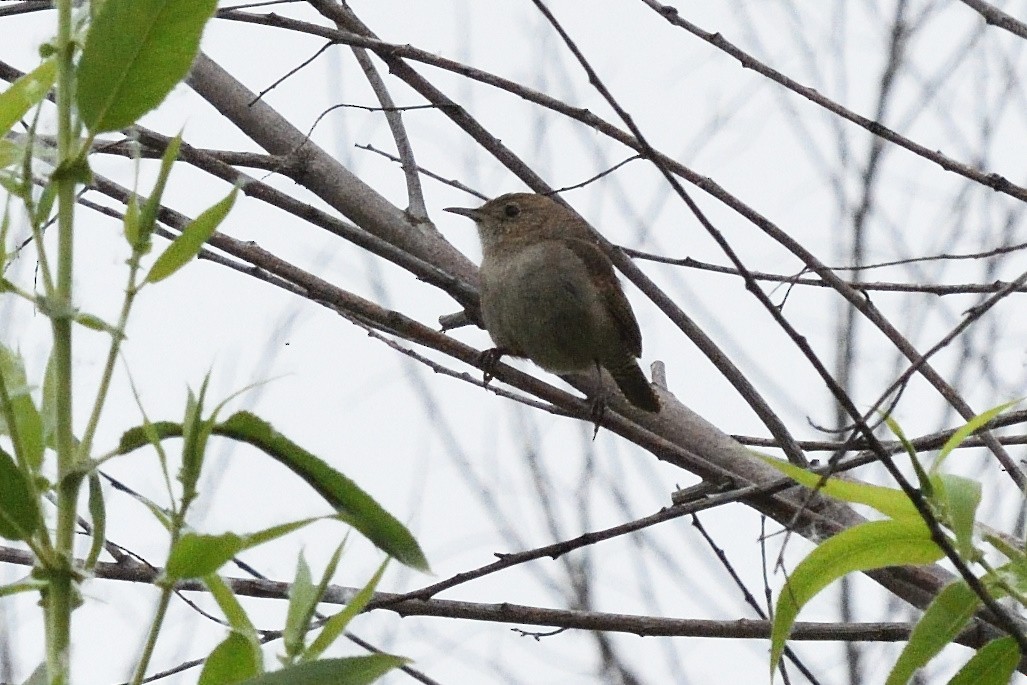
(549, 293)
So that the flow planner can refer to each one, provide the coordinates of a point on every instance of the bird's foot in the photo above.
(487, 360)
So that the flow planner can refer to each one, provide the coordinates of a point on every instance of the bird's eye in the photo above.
(511, 210)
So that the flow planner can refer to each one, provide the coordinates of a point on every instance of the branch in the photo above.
(516, 613)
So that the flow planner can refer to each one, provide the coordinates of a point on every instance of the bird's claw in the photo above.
(487, 360)
(596, 413)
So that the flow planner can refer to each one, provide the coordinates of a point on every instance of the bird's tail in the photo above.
(633, 383)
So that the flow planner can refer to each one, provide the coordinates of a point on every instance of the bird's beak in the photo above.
(470, 213)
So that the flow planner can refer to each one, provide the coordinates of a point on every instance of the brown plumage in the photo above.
(549, 293)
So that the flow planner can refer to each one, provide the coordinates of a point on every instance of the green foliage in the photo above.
(138, 231)
(356, 670)
(190, 242)
(905, 538)
(993, 664)
(194, 555)
(354, 505)
(20, 516)
(232, 661)
(865, 547)
(135, 53)
(19, 417)
(336, 624)
(25, 93)
(946, 616)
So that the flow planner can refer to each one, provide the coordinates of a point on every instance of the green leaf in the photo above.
(20, 419)
(136, 51)
(147, 434)
(993, 664)
(195, 432)
(48, 406)
(196, 555)
(302, 600)
(298, 622)
(867, 546)
(958, 498)
(232, 609)
(45, 205)
(98, 514)
(130, 225)
(95, 323)
(277, 531)
(29, 585)
(356, 670)
(914, 460)
(336, 624)
(354, 505)
(19, 507)
(944, 619)
(190, 242)
(889, 501)
(148, 216)
(232, 661)
(967, 429)
(10, 153)
(25, 93)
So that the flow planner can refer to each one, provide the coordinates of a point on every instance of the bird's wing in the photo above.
(599, 265)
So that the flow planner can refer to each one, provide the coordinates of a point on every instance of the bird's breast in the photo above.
(538, 301)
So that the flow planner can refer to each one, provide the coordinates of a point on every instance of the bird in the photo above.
(549, 294)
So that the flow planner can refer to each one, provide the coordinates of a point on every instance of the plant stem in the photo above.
(151, 637)
(59, 597)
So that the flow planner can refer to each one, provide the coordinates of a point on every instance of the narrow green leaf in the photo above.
(98, 514)
(357, 507)
(306, 606)
(993, 664)
(190, 242)
(48, 405)
(867, 546)
(19, 507)
(130, 224)
(192, 452)
(147, 434)
(195, 433)
(889, 501)
(148, 216)
(232, 661)
(20, 419)
(959, 500)
(302, 600)
(275, 532)
(95, 323)
(136, 51)
(356, 670)
(946, 616)
(30, 585)
(336, 624)
(196, 555)
(966, 430)
(10, 153)
(25, 93)
(914, 459)
(45, 205)
(231, 608)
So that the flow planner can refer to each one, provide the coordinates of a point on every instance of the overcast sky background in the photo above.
(466, 470)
